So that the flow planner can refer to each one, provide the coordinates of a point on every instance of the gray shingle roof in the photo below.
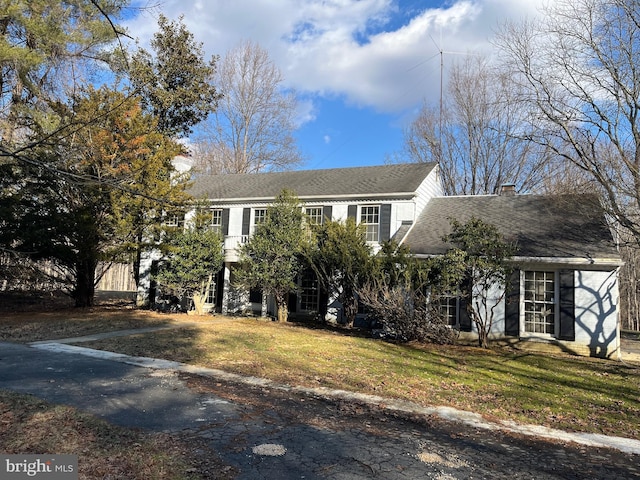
(336, 182)
(568, 226)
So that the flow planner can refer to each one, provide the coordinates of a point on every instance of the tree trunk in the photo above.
(199, 298)
(198, 303)
(137, 261)
(283, 312)
(350, 307)
(483, 334)
(84, 290)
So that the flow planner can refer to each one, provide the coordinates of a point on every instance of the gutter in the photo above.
(332, 198)
(594, 263)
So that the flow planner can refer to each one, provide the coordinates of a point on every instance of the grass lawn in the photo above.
(559, 391)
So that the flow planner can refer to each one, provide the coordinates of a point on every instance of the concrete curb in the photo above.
(471, 419)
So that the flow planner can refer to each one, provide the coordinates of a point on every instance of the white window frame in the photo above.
(524, 302)
(314, 215)
(175, 220)
(452, 303)
(372, 228)
(259, 215)
(210, 295)
(216, 219)
(309, 293)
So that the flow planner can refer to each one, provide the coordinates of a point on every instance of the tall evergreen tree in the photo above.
(343, 263)
(44, 46)
(176, 84)
(115, 169)
(272, 258)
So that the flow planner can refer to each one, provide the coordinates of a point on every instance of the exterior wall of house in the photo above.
(431, 187)
(402, 210)
(235, 220)
(144, 284)
(339, 211)
(595, 309)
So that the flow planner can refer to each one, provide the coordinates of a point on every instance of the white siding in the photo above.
(596, 301)
(431, 187)
(402, 211)
(494, 298)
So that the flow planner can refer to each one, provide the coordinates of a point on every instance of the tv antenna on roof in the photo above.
(441, 52)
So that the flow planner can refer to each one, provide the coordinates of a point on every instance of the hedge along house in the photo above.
(387, 199)
(564, 286)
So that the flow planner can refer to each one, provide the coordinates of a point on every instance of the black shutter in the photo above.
(225, 221)
(327, 211)
(292, 302)
(352, 212)
(385, 222)
(246, 218)
(512, 305)
(467, 296)
(567, 306)
(463, 315)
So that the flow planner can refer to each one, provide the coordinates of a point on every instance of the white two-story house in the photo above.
(388, 199)
(564, 289)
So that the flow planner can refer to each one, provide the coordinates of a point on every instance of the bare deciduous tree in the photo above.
(251, 131)
(476, 136)
(578, 73)
(630, 286)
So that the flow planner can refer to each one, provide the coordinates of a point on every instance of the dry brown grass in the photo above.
(559, 391)
(31, 326)
(28, 425)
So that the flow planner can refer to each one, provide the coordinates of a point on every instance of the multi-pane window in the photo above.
(211, 293)
(174, 219)
(539, 302)
(216, 219)
(314, 215)
(448, 308)
(370, 218)
(309, 293)
(259, 216)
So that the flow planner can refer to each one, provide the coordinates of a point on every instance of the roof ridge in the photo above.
(320, 170)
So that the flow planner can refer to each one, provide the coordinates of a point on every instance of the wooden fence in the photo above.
(18, 274)
(118, 277)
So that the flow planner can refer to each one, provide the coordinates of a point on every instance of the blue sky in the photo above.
(362, 68)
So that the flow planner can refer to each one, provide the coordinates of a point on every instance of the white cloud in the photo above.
(327, 139)
(354, 49)
(306, 111)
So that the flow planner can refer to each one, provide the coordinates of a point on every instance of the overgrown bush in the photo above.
(404, 315)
